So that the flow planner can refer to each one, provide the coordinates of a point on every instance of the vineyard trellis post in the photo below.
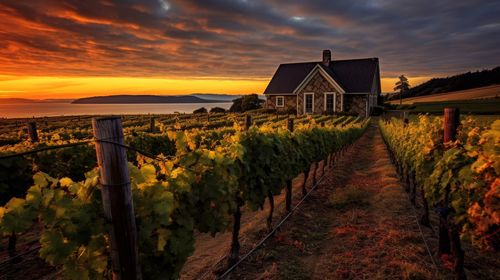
(290, 125)
(117, 197)
(451, 123)
(288, 200)
(248, 121)
(451, 238)
(234, 251)
(151, 124)
(325, 160)
(32, 133)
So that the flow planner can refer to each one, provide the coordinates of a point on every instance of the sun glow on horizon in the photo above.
(36, 87)
(77, 87)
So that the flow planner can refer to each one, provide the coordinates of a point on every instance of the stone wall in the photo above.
(355, 104)
(318, 85)
(290, 102)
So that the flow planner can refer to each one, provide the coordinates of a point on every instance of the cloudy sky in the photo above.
(70, 48)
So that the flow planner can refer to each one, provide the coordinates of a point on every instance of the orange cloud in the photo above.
(68, 48)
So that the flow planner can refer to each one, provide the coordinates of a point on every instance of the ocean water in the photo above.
(26, 110)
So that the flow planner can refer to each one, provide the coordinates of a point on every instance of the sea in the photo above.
(49, 109)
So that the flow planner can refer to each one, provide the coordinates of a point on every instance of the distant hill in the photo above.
(488, 92)
(217, 96)
(464, 81)
(27, 100)
(17, 100)
(142, 99)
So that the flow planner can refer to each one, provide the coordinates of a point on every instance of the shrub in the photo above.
(217, 110)
(201, 110)
(246, 103)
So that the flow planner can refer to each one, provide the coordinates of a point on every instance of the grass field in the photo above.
(476, 93)
(474, 106)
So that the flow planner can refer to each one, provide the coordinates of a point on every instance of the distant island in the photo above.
(144, 99)
(133, 99)
(9, 100)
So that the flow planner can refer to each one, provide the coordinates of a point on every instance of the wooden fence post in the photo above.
(449, 128)
(248, 122)
(451, 123)
(32, 133)
(449, 237)
(234, 251)
(288, 194)
(290, 125)
(151, 124)
(117, 197)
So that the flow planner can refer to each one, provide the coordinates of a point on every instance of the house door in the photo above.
(329, 102)
(308, 103)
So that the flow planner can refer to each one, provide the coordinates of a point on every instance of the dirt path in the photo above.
(358, 224)
(210, 250)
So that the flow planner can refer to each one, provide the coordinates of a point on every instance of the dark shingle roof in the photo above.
(353, 75)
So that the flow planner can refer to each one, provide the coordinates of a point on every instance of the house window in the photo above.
(280, 101)
(309, 103)
(329, 102)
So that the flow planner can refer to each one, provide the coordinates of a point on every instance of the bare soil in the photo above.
(358, 224)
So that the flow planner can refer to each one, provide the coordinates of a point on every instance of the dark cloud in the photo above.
(243, 38)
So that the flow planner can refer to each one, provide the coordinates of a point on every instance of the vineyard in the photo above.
(457, 176)
(186, 174)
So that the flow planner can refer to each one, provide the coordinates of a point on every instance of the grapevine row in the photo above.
(201, 187)
(460, 178)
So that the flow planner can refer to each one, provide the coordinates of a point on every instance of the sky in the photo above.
(73, 48)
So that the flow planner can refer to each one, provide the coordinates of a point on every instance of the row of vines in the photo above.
(459, 178)
(198, 181)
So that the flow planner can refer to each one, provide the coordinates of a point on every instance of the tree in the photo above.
(402, 86)
(201, 110)
(217, 110)
(246, 102)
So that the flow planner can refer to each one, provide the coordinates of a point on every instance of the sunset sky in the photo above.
(69, 49)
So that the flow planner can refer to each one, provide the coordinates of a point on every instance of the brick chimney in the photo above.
(327, 57)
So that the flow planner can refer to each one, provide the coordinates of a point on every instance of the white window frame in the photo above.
(283, 101)
(334, 100)
(305, 94)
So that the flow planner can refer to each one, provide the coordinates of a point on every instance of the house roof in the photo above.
(353, 75)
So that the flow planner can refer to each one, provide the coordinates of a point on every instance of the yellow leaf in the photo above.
(149, 172)
(40, 180)
(211, 154)
(163, 236)
(65, 182)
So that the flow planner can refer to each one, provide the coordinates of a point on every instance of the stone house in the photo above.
(329, 86)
